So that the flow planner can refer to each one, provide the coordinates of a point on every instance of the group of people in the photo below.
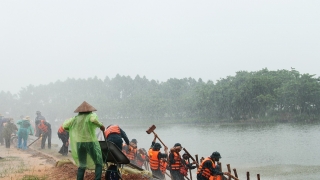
(79, 132)
(22, 129)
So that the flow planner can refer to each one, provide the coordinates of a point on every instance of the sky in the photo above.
(46, 41)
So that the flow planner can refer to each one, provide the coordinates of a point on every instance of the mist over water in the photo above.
(275, 151)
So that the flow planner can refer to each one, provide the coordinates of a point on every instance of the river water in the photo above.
(275, 151)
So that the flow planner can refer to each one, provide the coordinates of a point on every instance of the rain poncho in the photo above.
(25, 129)
(82, 135)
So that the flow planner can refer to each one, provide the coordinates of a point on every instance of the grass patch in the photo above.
(11, 165)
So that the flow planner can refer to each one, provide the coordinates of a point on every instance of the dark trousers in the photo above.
(7, 140)
(1, 138)
(44, 138)
(84, 148)
(176, 175)
(64, 147)
(158, 173)
(200, 177)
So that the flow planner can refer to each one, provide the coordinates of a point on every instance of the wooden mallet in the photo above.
(151, 130)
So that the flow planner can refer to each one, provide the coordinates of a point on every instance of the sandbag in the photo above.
(128, 170)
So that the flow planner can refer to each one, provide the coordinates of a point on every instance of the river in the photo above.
(275, 151)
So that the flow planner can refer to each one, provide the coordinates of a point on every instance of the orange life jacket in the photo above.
(184, 169)
(163, 166)
(205, 172)
(140, 162)
(153, 159)
(156, 163)
(113, 129)
(43, 127)
(61, 130)
(177, 161)
(131, 154)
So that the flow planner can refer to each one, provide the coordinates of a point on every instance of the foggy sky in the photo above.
(46, 41)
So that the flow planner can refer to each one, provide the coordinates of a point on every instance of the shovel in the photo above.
(151, 130)
(35, 140)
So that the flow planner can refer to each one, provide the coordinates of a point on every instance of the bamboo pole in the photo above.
(229, 170)
(197, 159)
(190, 169)
(235, 172)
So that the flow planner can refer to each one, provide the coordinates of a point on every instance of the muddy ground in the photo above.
(35, 164)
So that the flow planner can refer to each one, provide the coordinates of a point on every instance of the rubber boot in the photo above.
(80, 174)
(98, 172)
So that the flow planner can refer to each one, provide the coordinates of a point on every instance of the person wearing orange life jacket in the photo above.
(131, 150)
(45, 130)
(186, 165)
(208, 170)
(142, 157)
(157, 159)
(64, 136)
(175, 162)
(115, 134)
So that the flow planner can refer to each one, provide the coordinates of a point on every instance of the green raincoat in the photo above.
(82, 133)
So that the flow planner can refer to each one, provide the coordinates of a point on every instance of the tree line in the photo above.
(282, 95)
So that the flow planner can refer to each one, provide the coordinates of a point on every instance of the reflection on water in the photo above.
(275, 151)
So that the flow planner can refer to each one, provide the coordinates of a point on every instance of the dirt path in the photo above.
(19, 164)
(41, 165)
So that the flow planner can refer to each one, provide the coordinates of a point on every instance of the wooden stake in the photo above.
(235, 172)
(190, 169)
(197, 159)
(248, 175)
(229, 170)
(258, 176)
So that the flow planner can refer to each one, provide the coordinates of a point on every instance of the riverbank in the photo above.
(44, 164)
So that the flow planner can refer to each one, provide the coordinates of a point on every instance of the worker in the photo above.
(209, 170)
(157, 159)
(64, 137)
(131, 150)
(186, 165)
(115, 134)
(85, 147)
(37, 120)
(46, 132)
(175, 161)
(8, 129)
(142, 158)
(2, 121)
(25, 129)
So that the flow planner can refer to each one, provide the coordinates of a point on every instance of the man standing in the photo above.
(131, 151)
(175, 162)
(85, 147)
(115, 134)
(1, 128)
(24, 130)
(37, 121)
(8, 129)
(45, 130)
(208, 168)
(157, 159)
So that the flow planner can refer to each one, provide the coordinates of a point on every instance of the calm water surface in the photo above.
(275, 151)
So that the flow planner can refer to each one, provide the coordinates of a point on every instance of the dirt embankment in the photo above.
(41, 165)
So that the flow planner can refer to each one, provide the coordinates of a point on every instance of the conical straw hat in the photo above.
(85, 107)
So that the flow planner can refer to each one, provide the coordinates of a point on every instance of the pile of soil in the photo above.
(69, 171)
